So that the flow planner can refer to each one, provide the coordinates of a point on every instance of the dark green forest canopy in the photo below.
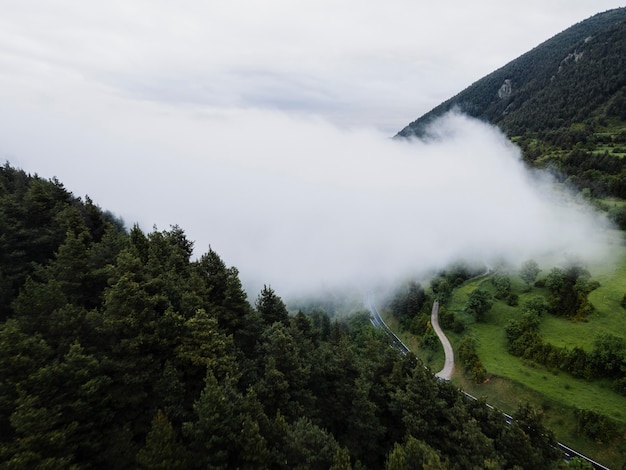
(121, 351)
(563, 103)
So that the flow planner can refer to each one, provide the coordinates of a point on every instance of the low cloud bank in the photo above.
(299, 204)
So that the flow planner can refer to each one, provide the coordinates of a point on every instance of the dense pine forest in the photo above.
(563, 103)
(120, 350)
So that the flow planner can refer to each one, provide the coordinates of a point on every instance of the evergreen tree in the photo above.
(271, 307)
(413, 455)
(162, 450)
(214, 435)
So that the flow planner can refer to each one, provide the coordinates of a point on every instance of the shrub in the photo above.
(512, 300)
(470, 360)
(595, 425)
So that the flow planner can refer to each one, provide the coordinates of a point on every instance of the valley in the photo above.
(511, 381)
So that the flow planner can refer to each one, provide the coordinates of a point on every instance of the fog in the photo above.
(263, 130)
(302, 205)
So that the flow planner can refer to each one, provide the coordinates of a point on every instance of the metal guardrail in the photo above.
(378, 322)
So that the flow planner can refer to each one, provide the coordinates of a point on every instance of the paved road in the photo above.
(448, 366)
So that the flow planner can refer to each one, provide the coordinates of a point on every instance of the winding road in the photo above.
(448, 366)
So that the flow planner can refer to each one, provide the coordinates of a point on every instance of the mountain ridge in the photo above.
(545, 76)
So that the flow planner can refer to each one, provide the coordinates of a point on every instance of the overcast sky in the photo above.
(262, 128)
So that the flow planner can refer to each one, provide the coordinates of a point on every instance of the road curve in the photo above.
(448, 366)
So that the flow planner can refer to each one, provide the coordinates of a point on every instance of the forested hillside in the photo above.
(564, 103)
(121, 351)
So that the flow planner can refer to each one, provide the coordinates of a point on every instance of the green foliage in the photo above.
(36, 217)
(162, 450)
(449, 320)
(444, 282)
(569, 289)
(594, 425)
(430, 340)
(478, 303)
(502, 284)
(470, 360)
(523, 334)
(271, 307)
(308, 446)
(408, 302)
(529, 271)
(609, 356)
(413, 454)
(618, 216)
(542, 440)
(536, 305)
(213, 434)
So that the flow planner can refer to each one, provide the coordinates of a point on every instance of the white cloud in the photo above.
(263, 128)
(356, 63)
(299, 203)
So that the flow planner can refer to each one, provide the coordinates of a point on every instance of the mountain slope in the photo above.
(568, 91)
(578, 73)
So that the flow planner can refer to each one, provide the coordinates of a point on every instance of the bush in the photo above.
(512, 300)
(535, 304)
(458, 326)
(470, 360)
(449, 321)
(502, 283)
(595, 425)
(478, 302)
(618, 216)
(419, 325)
(430, 340)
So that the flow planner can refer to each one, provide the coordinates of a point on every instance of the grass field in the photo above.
(514, 380)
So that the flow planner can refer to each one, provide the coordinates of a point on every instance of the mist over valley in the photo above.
(300, 204)
(217, 250)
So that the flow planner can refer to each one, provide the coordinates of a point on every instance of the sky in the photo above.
(263, 128)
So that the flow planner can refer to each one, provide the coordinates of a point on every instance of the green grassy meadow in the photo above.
(514, 380)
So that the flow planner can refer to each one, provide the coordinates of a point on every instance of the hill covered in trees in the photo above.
(563, 103)
(121, 351)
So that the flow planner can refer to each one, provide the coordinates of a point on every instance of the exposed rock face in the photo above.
(506, 89)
